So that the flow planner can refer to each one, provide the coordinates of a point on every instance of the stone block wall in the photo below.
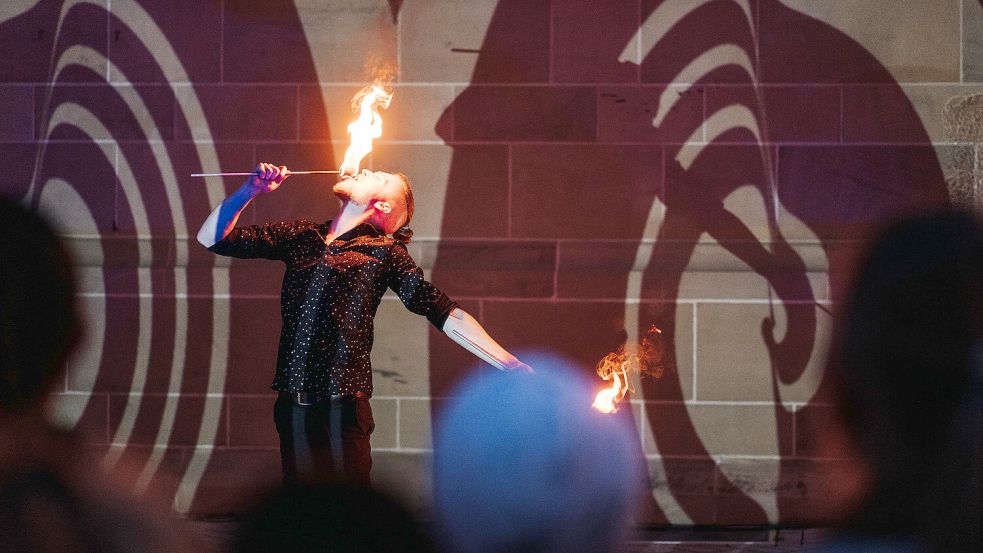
(582, 170)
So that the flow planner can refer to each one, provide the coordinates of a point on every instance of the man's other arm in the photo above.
(469, 334)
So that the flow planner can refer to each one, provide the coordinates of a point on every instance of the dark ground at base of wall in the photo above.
(725, 540)
(218, 532)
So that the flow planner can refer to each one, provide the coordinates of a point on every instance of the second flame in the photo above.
(622, 365)
(606, 401)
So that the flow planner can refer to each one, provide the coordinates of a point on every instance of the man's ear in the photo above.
(382, 206)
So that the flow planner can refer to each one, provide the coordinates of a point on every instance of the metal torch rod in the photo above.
(254, 173)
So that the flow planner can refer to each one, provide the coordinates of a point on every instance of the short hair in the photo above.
(407, 198)
(38, 319)
(393, 222)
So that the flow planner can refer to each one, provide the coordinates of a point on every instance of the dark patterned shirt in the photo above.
(329, 299)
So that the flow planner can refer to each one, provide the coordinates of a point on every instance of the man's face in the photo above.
(368, 186)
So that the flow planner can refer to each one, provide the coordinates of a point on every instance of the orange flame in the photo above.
(606, 401)
(621, 365)
(367, 127)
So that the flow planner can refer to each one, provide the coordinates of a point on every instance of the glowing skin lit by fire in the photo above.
(366, 186)
(366, 128)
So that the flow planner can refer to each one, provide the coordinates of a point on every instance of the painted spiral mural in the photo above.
(583, 170)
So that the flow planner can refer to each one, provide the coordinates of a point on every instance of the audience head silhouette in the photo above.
(906, 363)
(524, 464)
(52, 495)
(38, 323)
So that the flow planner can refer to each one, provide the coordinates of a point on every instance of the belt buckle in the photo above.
(302, 398)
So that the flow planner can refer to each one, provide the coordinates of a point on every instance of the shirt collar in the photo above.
(364, 229)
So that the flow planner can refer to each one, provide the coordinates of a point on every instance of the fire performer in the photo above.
(336, 275)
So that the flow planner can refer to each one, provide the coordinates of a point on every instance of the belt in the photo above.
(310, 398)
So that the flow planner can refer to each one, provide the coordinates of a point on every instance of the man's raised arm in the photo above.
(466, 331)
(222, 219)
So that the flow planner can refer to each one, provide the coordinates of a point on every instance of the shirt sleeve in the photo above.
(256, 241)
(416, 293)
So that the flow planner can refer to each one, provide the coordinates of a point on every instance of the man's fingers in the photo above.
(283, 173)
(269, 172)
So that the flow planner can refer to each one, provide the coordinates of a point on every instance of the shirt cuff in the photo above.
(441, 311)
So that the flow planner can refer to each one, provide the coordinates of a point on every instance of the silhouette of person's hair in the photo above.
(523, 464)
(906, 364)
(334, 517)
(38, 323)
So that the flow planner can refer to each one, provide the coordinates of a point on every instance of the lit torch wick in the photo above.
(366, 128)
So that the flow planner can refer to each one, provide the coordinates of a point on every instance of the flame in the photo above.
(621, 365)
(367, 127)
(607, 399)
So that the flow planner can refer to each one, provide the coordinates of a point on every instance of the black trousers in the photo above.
(328, 440)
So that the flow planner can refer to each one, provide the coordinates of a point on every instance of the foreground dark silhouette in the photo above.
(906, 363)
(52, 494)
(523, 464)
(342, 518)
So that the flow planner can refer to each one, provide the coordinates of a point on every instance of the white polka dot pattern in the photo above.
(329, 299)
